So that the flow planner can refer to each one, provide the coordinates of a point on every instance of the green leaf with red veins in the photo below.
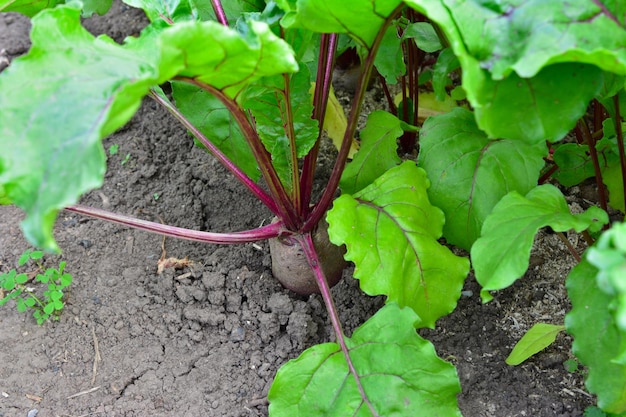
(410, 381)
(390, 230)
(268, 101)
(501, 255)
(470, 173)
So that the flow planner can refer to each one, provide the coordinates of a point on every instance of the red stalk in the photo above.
(227, 163)
(306, 242)
(266, 232)
(620, 143)
(328, 47)
(284, 205)
(329, 192)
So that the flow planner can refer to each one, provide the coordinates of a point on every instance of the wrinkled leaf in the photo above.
(471, 173)
(536, 339)
(27, 7)
(51, 123)
(525, 37)
(597, 339)
(360, 19)
(524, 62)
(390, 230)
(377, 153)
(219, 56)
(501, 255)
(400, 373)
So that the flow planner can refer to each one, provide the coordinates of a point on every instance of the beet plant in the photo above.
(252, 83)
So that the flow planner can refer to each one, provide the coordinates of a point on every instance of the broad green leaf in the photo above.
(210, 116)
(609, 257)
(598, 341)
(27, 7)
(390, 230)
(389, 60)
(223, 58)
(574, 164)
(536, 339)
(471, 173)
(525, 37)
(400, 373)
(377, 153)
(524, 62)
(276, 122)
(525, 108)
(51, 122)
(500, 256)
(424, 35)
(360, 19)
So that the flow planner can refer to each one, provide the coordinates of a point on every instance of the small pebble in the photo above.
(238, 334)
(467, 293)
(85, 243)
(32, 413)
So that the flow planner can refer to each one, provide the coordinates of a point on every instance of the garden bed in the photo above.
(207, 340)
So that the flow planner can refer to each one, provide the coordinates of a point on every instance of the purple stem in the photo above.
(329, 192)
(227, 163)
(306, 242)
(328, 47)
(262, 233)
(620, 143)
(219, 12)
(284, 205)
(583, 130)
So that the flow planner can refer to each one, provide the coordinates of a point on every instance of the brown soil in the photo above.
(208, 339)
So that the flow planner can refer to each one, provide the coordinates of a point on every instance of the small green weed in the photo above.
(13, 286)
(114, 149)
(126, 159)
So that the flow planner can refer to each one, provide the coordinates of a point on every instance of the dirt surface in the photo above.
(207, 340)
